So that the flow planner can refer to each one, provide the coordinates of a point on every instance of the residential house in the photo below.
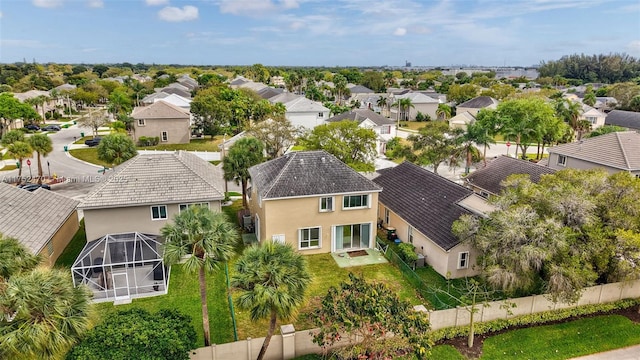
(371, 101)
(146, 192)
(385, 128)
(269, 92)
(421, 103)
(188, 82)
(49, 104)
(301, 111)
(605, 103)
(43, 221)
(359, 89)
(614, 152)
(176, 88)
(488, 180)
(314, 202)
(239, 80)
(421, 206)
(461, 120)
(151, 98)
(594, 116)
(176, 100)
(476, 104)
(625, 119)
(164, 120)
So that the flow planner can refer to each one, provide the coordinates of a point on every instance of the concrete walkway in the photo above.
(628, 353)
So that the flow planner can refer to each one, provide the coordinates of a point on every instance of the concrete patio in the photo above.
(374, 256)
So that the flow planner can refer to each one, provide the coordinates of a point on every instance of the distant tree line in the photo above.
(611, 68)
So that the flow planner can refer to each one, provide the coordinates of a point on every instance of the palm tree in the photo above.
(116, 149)
(14, 258)
(20, 150)
(444, 111)
(48, 315)
(480, 136)
(242, 155)
(208, 238)
(382, 103)
(405, 107)
(42, 145)
(272, 279)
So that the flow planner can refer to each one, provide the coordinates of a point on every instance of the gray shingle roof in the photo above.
(359, 89)
(361, 115)
(479, 102)
(627, 119)
(175, 177)
(33, 217)
(427, 201)
(307, 173)
(160, 110)
(619, 150)
(269, 92)
(489, 178)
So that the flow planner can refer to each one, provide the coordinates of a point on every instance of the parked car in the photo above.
(51, 127)
(32, 127)
(93, 142)
(34, 187)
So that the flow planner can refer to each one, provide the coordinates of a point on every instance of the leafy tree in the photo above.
(433, 144)
(100, 69)
(138, 334)
(461, 93)
(572, 229)
(39, 102)
(444, 112)
(570, 112)
(276, 134)
(119, 102)
(242, 155)
(12, 109)
(605, 68)
(374, 80)
(589, 96)
(42, 145)
(208, 239)
(93, 120)
(272, 279)
(347, 141)
(367, 312)
(624, 93)
(606, 129)
(43, 314)
(499, 91)
(116, 148)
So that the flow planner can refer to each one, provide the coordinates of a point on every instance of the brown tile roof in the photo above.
(499, 169)
(33, 217)
(619, 150)
(174, 177)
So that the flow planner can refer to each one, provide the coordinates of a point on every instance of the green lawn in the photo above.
(71, 252)
(564, 341)
(9, 167)
(89, 155)
(194, 145)
(412, 125)
(184, 295)
(445, 352)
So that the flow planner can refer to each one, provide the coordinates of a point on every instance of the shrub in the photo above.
(407, 253)
(148, 140)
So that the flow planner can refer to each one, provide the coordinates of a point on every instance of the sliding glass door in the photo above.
(355, 236)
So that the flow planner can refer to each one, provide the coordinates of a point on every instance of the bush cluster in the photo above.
(407, 253)
(148, 140)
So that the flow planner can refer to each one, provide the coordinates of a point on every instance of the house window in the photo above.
(410, 234)
(562, 160)
(385, 130)
(387, 216)
(183, 207)
(278, 238)
(159, 212)
(50, 248)
(309, 238)
(165, 136)
(141, 122)
(463, 260)
(592, 119)
(320, 115)
(326, 204)
(355, 201)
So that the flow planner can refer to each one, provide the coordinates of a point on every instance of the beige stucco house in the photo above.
(422, 207)
(461, 120)
(421, 103)
(313, 201)
(146, 192)
(43, 221)
(614, 152)
(170, 123)
(476, 104)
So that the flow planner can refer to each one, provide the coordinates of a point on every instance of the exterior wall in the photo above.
(599, 118)
(442, 261)
(100, 222)
(573, 163)
(472, 111)
(60, 240)
(287, 216)
(178, 130)
(308, 119)
(427, 109)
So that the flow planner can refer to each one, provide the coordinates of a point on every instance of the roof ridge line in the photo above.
(179, 157)
(289, 161)
(106, 182)
(622, 149)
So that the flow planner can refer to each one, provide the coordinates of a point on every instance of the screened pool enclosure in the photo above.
(122, 266)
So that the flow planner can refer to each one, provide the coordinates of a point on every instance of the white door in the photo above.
(120, 285)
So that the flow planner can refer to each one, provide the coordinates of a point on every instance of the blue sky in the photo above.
(315, 32)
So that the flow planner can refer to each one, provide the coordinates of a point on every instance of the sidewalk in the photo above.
(628, 353)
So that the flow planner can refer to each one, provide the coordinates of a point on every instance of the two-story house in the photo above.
(385, 128)
(313, 201)
(301, 111)
(170, 123)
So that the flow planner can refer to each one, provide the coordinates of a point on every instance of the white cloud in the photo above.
(297, 25)
(290, 4)
(400, 32)
(256, 8)
(95, 3)
(175, 14)
(156, 2)
(21, 43)
(47, 3)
